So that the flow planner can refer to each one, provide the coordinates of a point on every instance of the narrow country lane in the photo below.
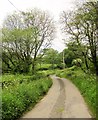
(58, 108)
(62, 101)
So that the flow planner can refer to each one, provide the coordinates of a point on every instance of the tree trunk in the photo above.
(96, 67)
(86, 63)
(33, 66)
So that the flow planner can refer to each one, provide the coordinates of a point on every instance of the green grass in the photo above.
(44, 66)
(12, 77)
(22, 91)
(85, 82)
(13, 80)
(48, 72)
(18, 97)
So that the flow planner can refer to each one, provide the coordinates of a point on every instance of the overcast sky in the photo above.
(55, 7)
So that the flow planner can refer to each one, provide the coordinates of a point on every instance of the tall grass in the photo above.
(18, 97)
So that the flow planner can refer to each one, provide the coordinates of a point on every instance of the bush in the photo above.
(77, 62)
(61, 66)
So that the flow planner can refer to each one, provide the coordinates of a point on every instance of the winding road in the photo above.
(62, 101)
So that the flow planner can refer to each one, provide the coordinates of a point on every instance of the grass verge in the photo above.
(18, 97)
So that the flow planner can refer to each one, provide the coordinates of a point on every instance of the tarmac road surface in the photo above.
(62, 101)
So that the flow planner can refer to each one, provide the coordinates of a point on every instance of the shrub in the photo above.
(77, 62)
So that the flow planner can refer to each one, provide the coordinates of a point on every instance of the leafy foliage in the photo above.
(77, 62)
(82, 28)
(24, 36)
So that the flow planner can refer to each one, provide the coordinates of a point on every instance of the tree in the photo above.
(68, 57)
(51, 56)
(82, 28)
(44, 31)
(79, 52)
(25, 35)
(16, 49)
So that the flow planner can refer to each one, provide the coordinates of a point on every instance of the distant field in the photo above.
(44, 66)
